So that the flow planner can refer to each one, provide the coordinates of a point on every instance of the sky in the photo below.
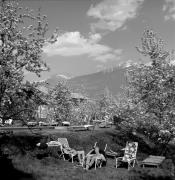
(99, 34)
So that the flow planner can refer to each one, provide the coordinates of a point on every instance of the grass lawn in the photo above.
(54, 169)
(50, 168)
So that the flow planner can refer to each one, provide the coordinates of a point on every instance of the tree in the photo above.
(59, 100)
(151, 89)
(21, 47)
(23, 103)
(106, 104)
(84, 112)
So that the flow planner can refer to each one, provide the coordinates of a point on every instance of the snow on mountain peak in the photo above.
(62, 76)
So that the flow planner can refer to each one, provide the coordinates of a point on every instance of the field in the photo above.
(25, 164)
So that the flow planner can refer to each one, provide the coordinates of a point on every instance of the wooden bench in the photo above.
(155, 161)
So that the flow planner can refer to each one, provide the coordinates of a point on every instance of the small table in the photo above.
(153, 161)
(53, 144)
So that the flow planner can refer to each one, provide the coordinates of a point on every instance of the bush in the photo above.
(168, 166)
(149, 174)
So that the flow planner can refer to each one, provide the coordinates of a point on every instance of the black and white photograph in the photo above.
(87, 89)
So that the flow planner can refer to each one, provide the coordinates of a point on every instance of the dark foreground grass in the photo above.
(54, 169)
(50, 168)
(23, 151)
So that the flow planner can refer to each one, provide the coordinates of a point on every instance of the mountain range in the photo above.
(94, 84)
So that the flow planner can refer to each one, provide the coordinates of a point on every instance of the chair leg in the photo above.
(100, 164)
(97, 165)
(129, 165)
(83, 161)
(136, 162)
(116, 163)
(72, 157)
(63, 157)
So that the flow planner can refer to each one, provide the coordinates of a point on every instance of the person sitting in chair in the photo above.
(80, 154)
(93, 155)
(42, 144)
(42, 149)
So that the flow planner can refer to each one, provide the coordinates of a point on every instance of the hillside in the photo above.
(54, 79)
(94, 84)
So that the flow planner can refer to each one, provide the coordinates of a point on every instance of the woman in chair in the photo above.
(93, 155)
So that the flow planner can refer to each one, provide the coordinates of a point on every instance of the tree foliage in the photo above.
(23, 103)
(22, 38)
(59, 100)
(84, 112)
(150, 101)
(106, 105)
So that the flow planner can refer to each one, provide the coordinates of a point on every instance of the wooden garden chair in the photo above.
(65, 149)
(129, 155)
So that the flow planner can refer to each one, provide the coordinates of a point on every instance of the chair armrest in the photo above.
(119, 158)
(132, 159)
(112, 151)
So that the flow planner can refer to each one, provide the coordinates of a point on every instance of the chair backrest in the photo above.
(95, 144)
(105, 147)
(130, 150)
(63, 142)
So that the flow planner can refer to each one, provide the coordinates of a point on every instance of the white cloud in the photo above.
(113, 14)
(115, 55)
(169, 9)
(74, 44)
(95, 37)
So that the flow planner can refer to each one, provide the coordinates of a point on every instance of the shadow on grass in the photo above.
(9, 172)
(26, 157)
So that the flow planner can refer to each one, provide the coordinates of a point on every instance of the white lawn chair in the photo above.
(65, 149)
(129, 154)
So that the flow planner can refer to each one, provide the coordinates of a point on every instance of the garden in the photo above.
(28, 162)
(144, 110)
